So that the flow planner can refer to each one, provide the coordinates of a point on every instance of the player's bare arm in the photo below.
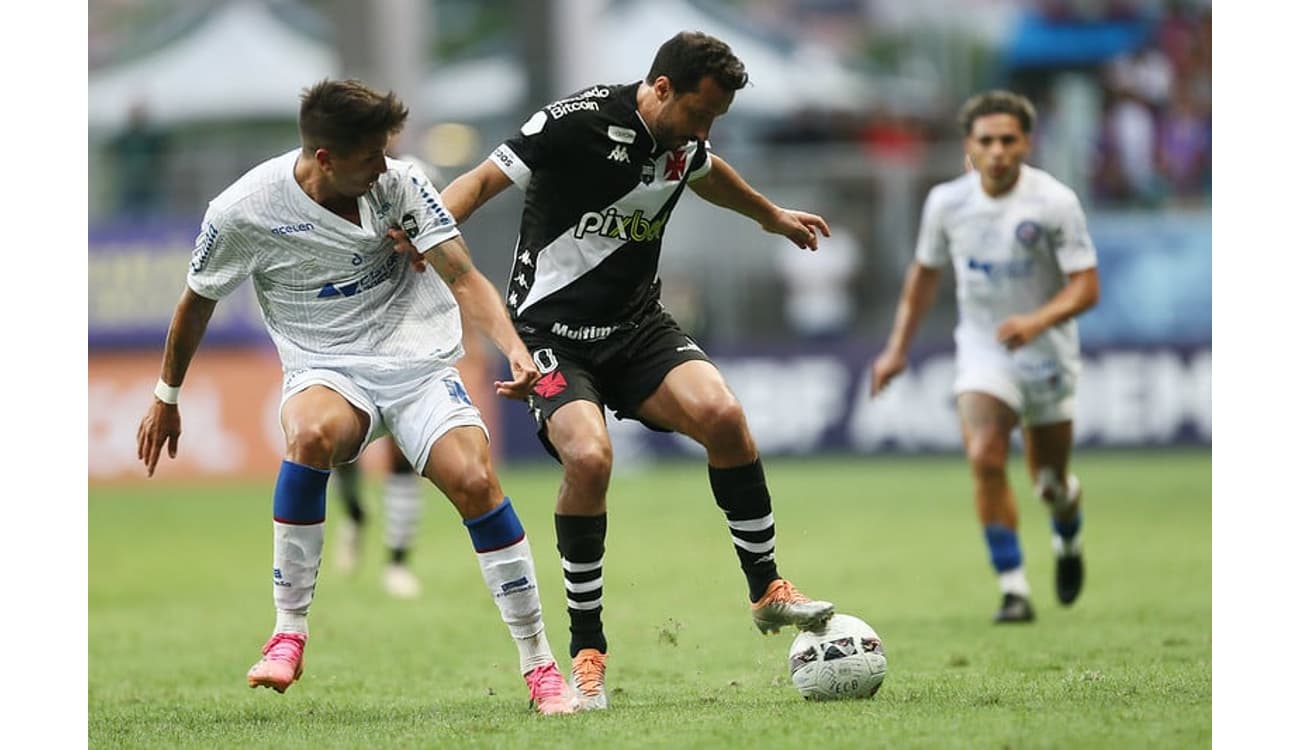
(1079, 293)
(919, 290)
(462, 197)
(723, 186)
(162, 422)
(474, 188)
(485, 312)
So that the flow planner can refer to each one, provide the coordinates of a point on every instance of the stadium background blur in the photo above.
(850, 114)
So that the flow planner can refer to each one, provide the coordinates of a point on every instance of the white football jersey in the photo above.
(1011, 254)
(333, 294)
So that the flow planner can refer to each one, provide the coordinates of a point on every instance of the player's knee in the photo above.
(1049, 485)
(474, 485)
(987, 458)
(588, 462)
(721, 422)
(312, 442)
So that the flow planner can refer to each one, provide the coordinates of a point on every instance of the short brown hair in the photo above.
(342, 115)
(997, 102)
(690, 56)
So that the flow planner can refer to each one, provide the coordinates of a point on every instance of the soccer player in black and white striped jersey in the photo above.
(601, 171)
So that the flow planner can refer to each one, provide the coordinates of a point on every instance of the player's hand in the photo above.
(161, 424)
(403, 245)
(800, 227)
(1018, 330)
(885, 368)
(525, 374)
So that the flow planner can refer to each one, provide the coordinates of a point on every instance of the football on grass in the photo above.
(845, 659)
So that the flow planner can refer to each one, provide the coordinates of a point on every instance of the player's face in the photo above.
(996, 147)
(354, 174)
(685, 116)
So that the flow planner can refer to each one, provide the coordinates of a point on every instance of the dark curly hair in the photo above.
(997, 102)
(690, 56)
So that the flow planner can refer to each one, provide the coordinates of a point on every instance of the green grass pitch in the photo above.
(180, 602)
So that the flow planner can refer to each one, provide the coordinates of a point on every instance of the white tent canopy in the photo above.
(780, 83)
(625, 37)
(242, 63)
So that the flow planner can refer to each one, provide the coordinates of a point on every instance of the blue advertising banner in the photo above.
(805, 400)
(137, 272)
(1156, 275)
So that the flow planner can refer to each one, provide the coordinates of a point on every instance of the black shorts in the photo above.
(619, 372)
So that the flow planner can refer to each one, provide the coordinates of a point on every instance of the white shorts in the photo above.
(415, 408)
(1041, 392)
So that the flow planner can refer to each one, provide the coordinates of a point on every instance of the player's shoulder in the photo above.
(950, 194)
(241, 196)
(1041, 183)
(596, 103)
(403, 170)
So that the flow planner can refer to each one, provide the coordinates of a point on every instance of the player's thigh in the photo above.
(986, 425)
(692, 399)
(567, 401)
(325, 405)
(663, 377)
(579, 437)
(460, 466)
(420, 408)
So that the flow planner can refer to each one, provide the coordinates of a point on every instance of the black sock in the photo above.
(742, 494)
(397, 555)
(347, 476)
(581, 542)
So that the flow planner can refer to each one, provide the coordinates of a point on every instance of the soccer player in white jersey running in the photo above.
(1025, 265)
(367, 345)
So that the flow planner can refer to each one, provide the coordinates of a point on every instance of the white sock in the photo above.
(290, 622)
(1059, 495)
(297, 553)
(512, 581)
(403, 507)
(1014, 582)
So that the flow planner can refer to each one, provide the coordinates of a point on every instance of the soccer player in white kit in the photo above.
(367, 344)
(1017, 240)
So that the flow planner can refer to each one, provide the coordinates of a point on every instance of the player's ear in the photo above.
(663, 88)
(324, 159)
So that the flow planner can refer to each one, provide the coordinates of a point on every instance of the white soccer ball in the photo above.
(843, 660)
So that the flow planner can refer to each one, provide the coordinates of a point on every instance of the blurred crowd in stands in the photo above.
(1155, 145)
(1152, 144)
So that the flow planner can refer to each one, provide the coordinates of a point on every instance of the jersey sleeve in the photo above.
(421, 212)
(702, 163)
(533, 147)
(220, 261)
(932, 240)
(1072, 243)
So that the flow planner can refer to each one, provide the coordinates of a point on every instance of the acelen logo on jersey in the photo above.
(616, 225)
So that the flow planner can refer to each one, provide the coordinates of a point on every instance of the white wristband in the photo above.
(168, 394)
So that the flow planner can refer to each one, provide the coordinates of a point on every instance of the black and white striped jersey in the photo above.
(598, 191)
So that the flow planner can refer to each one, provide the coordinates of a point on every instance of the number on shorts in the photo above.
(545, 360)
